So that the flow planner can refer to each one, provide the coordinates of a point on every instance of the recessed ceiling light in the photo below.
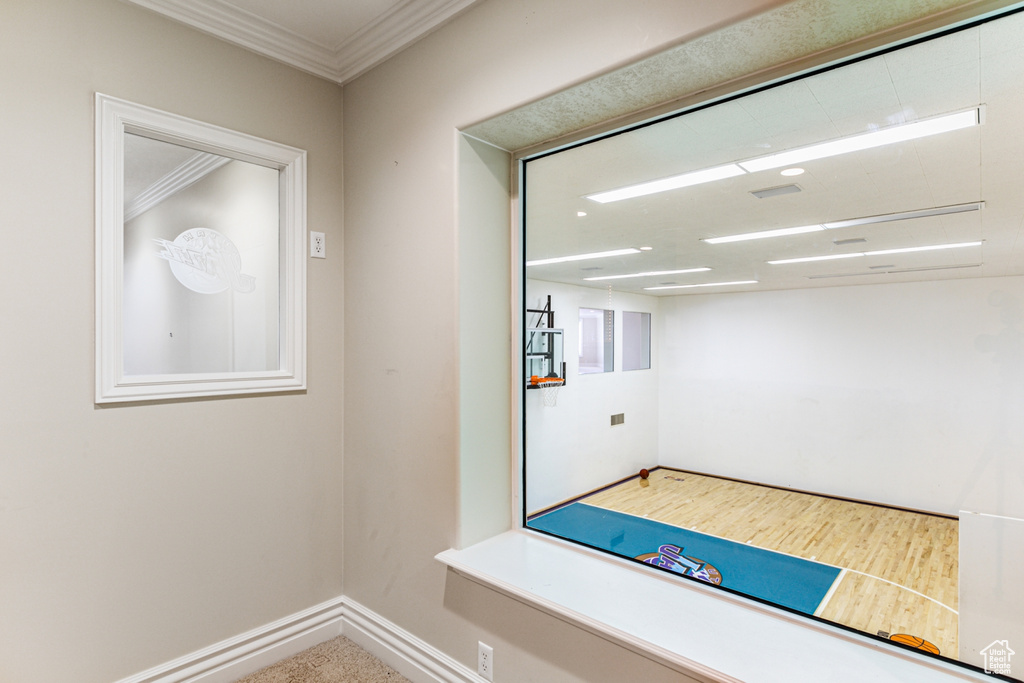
(651, 273)
(880, 252)
(581, 214)
(583, 257)
(763, 234)
(646, 248)
(792, 171)
(706, 175)
(856, 143)
(706, 284)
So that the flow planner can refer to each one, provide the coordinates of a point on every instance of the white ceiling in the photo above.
(334, 39)
(983, 65)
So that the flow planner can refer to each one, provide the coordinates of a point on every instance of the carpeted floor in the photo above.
(336, 661)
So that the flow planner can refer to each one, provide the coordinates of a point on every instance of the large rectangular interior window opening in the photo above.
(596, 340)
(831, 424)
(636, 341)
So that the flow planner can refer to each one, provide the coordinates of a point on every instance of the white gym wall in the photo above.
(572, 447)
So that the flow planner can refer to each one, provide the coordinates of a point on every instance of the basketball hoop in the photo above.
(549, 390)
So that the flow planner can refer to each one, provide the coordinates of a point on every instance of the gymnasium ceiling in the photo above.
(978, 68)
(334, 39)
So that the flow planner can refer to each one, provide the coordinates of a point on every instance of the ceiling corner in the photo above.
(368, 46)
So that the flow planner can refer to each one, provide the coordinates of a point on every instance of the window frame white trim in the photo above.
(115, 117)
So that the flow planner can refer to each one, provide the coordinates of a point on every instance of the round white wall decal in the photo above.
(206, 262)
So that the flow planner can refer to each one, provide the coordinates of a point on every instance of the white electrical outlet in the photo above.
(317, 244)
(485, 661)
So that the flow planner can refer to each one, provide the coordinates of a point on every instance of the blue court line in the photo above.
(776, 577)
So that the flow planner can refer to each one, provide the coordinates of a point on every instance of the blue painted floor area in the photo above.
(782, 579)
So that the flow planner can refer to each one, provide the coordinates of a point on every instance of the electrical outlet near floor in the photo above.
(317, 244)
(485, 661)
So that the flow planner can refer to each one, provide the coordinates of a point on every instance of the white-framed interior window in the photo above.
(200, 235)
(831, 268)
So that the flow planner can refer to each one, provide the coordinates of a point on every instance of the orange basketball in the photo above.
(914, 642)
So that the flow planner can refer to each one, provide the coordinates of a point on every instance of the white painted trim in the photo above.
(114, 118)
(687, 626)
(412, 657)
(253, 650)
(254, 33)
(177, 180)
(393, 31)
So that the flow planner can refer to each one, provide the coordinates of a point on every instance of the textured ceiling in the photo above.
(748, 52)
(983, 65)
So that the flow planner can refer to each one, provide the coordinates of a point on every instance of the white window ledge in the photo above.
(691, 628)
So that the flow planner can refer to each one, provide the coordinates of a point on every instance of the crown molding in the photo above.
(242, 28)
(394, 30)
(190, 172)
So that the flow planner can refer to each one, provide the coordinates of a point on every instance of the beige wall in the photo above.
(402, 310)
(132, 535)
(404, 473)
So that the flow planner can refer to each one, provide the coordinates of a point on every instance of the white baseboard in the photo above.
(412, 657)
(244, 654)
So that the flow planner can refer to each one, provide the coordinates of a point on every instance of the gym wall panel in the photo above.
(991, 554)
(573, 448)
(901, 394)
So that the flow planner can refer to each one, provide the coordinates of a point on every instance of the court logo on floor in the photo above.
(671, 557)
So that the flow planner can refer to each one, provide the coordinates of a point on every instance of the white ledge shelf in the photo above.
(694, 629)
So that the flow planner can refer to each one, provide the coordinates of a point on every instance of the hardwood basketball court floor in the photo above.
(898, 568)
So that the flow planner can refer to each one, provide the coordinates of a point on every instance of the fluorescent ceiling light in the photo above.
(764, 233)
(904, 215)
(805, 259)
(855, 143)
(653, 272)
(583, 257)
(930, 248)
(893, 272)
(706, 175)
(821, 150)
(866, 220)
(880, 252)
(705, 284)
